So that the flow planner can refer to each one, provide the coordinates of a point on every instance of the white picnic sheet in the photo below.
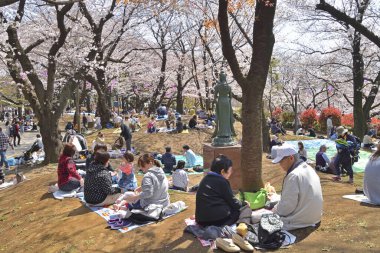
(359, 198)
(6, 185)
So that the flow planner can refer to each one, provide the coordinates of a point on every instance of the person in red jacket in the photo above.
(68, 177)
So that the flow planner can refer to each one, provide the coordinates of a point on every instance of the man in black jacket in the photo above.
(127, 134)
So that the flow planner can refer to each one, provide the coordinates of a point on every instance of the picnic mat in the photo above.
(312, 147)
(289, 239)
(198, 160)
(106, 212)
(62, 195)
(6, 185)
(359, 198)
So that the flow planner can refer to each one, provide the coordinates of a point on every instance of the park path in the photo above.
(27, 139)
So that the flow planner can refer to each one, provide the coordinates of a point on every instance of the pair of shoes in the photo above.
(233, 245)
(337, 179)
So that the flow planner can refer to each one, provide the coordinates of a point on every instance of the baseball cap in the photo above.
(284, 151)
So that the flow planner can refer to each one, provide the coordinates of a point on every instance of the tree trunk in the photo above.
(358, 76)
(103, 110)
(50, 137)
(252, 148)
(179, 102)
(252, 86)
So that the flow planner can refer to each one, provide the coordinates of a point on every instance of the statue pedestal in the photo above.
(233, 153)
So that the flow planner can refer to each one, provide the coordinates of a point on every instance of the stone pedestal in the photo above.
(233, 153)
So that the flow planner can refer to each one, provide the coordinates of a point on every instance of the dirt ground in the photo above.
(32, 221)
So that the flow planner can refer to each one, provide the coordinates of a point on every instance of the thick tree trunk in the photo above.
(358, 76)
(252, 148)
(50, 138)
(103, 110)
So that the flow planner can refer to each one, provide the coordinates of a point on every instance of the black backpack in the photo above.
(266, 238)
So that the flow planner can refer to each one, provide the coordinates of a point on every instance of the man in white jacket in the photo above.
(301, 198)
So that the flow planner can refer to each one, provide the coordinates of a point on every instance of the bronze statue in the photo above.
(224, 131)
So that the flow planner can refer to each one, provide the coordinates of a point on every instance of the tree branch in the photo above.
(343, 17)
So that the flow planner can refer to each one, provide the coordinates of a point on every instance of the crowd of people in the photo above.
(301, 203)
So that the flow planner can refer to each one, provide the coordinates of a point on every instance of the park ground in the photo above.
(31, 220)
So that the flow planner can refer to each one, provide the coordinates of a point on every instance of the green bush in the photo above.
(287, 117)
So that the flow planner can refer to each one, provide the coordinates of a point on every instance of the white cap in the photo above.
(284, 151)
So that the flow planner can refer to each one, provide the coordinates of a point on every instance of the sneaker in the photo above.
(226, 245)
(337, 179)
(243, 244)
(350, 181)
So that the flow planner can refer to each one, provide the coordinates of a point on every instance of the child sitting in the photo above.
(180, 178)
(128, 180)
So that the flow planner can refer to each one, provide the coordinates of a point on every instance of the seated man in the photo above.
(168, 160)
(312, 132)
(179, 125)
(193, 122)
(300, 131)
(322, 162)
(301, 198)
(367, 140)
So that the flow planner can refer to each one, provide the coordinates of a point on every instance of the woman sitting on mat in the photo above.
(371, 184)
(154, 186)
(180, 178)
(215, 203)
(302, 151)
(98, 189)
(68, 177)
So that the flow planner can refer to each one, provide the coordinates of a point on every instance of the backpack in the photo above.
(268, 235)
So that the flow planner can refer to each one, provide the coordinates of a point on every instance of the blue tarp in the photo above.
(312, 148)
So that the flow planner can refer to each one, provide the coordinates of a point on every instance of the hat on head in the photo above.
(341, 130)
(284, 151)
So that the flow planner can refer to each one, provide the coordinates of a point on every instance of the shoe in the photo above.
(350, 181)
(243, 244)
(226, 245)
(336, 179)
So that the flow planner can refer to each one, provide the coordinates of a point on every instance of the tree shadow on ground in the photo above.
(369, 205)
(79, 211)
(303, 233)
(46, 195)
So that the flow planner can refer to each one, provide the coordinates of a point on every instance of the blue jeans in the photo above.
(3, 159)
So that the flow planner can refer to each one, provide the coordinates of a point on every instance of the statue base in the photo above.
(223, 141)
(232, 152)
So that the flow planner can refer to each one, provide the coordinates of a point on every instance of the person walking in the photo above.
(85, 121)
(16, 133)
(330, 126)
(4, 142)
(126, 133)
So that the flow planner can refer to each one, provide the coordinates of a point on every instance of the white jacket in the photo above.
(301, 198)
